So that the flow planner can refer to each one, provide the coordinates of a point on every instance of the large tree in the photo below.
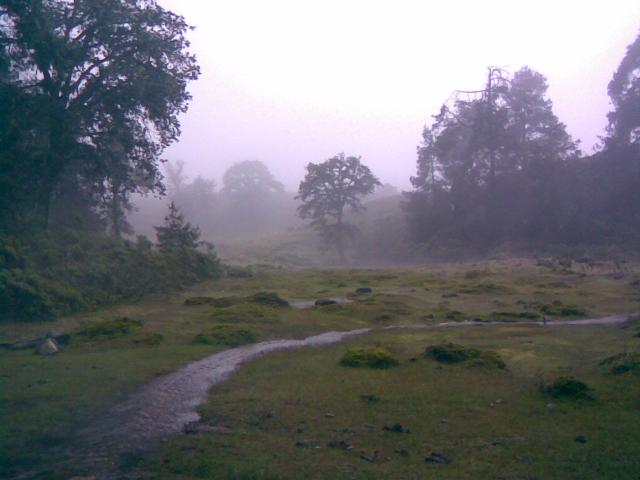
(488, 163)
(249, 179)
(101, 84)
(624, 91)
(327, 190)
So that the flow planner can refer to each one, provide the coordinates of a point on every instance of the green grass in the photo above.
(491, 423)
(42, 399)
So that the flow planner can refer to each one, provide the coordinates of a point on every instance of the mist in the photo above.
(290, 83)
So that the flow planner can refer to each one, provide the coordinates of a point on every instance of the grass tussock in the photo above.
(567, 388)
(623, 362)
(268, 298)
(374, 357)
(108, 329)
(454, 353)
(226, 335)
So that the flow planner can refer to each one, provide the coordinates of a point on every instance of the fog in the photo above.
(292, 82)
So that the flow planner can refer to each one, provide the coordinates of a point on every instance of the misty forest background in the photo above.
(90, 214)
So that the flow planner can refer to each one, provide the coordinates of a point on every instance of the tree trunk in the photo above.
(340, 239)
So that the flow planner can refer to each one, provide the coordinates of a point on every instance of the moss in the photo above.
(107, 329)
(227, 335)
(623, 362)
(268, 298)
(374, 357)
(245, 313)
(567, 387)
(454, 353)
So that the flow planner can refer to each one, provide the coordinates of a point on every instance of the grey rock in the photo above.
(48, 347)
(437, 457)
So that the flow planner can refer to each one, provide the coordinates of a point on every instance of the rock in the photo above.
(402, 451)
(329, 415)
(437, 457)
(48, 347)
(497, 402)
(369, 457)
(581, 439)
(322, 302)
(53, 334)
(341, 444)
(363, 290)
(551, 407)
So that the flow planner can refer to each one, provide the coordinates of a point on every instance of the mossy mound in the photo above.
(567, 387)
(195, 301)
(374, 357)
(245, 313)
(268, 298)
(623, 362)
(454, 353)
(227, 335)
(107, 329)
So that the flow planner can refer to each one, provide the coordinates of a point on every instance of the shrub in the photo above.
(226, 335)
(23, 297)
(368, 357)
(268, 298)
(568, 388)
(454, 353)
(245, 313)
(623, 362)
(108, 329)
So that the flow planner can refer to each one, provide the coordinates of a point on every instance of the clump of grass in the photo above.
(370, 398)
(502, 316)
(245, 313)
(454, 353)
(107, 329)
(568, 388)
(195, 301)
(623, 362)
(227, 335)
(268, 298)
(374, 357)
(225, 302)
(150, 340)
(557, 308)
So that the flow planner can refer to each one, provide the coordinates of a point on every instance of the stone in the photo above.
(551, 407)
(48, 347)
(402, 451)
(581, 439)
(363, 290)
(306, 443)
(396, 428)
(329, 415)
(322, 302)
(437, 457)
(369, 457)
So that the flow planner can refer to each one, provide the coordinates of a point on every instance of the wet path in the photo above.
(164, 406)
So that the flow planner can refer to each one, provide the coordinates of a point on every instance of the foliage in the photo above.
(269, 298)
(250, 178)
(374, 357)
(454, 353)
(176, 233)
(108, 329)
(228, 335)
(567, 387)
(330, 187)
(623, 362)
(65, 271)
(95, 90)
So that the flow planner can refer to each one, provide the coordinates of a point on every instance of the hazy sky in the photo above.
(295, 81)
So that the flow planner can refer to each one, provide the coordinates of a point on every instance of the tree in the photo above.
(91, 74)
(624, 91)
(176, 233)
(327, 189)
(488, 165)
(250, 179)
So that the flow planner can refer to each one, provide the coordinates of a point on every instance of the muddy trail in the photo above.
(163, 407)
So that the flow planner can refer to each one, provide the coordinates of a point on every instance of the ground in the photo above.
(303, 404)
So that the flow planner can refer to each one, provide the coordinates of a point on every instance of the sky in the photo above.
(290, 82)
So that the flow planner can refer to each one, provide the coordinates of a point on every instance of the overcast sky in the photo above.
(295, 81)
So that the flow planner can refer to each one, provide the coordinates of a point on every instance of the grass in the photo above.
(42, 399)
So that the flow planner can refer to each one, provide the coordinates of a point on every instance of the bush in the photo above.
(269, 298)
(368, 357)
(623, 362)
(568, 388)
(454, 353)
(108, 329)
(227, 335)
(245, 313)
(23, 297)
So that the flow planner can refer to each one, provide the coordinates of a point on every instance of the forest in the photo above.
(134, 269)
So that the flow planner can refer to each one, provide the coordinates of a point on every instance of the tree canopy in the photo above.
(93, 91)
(327, 189)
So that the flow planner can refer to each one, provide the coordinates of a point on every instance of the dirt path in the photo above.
(164, 406)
